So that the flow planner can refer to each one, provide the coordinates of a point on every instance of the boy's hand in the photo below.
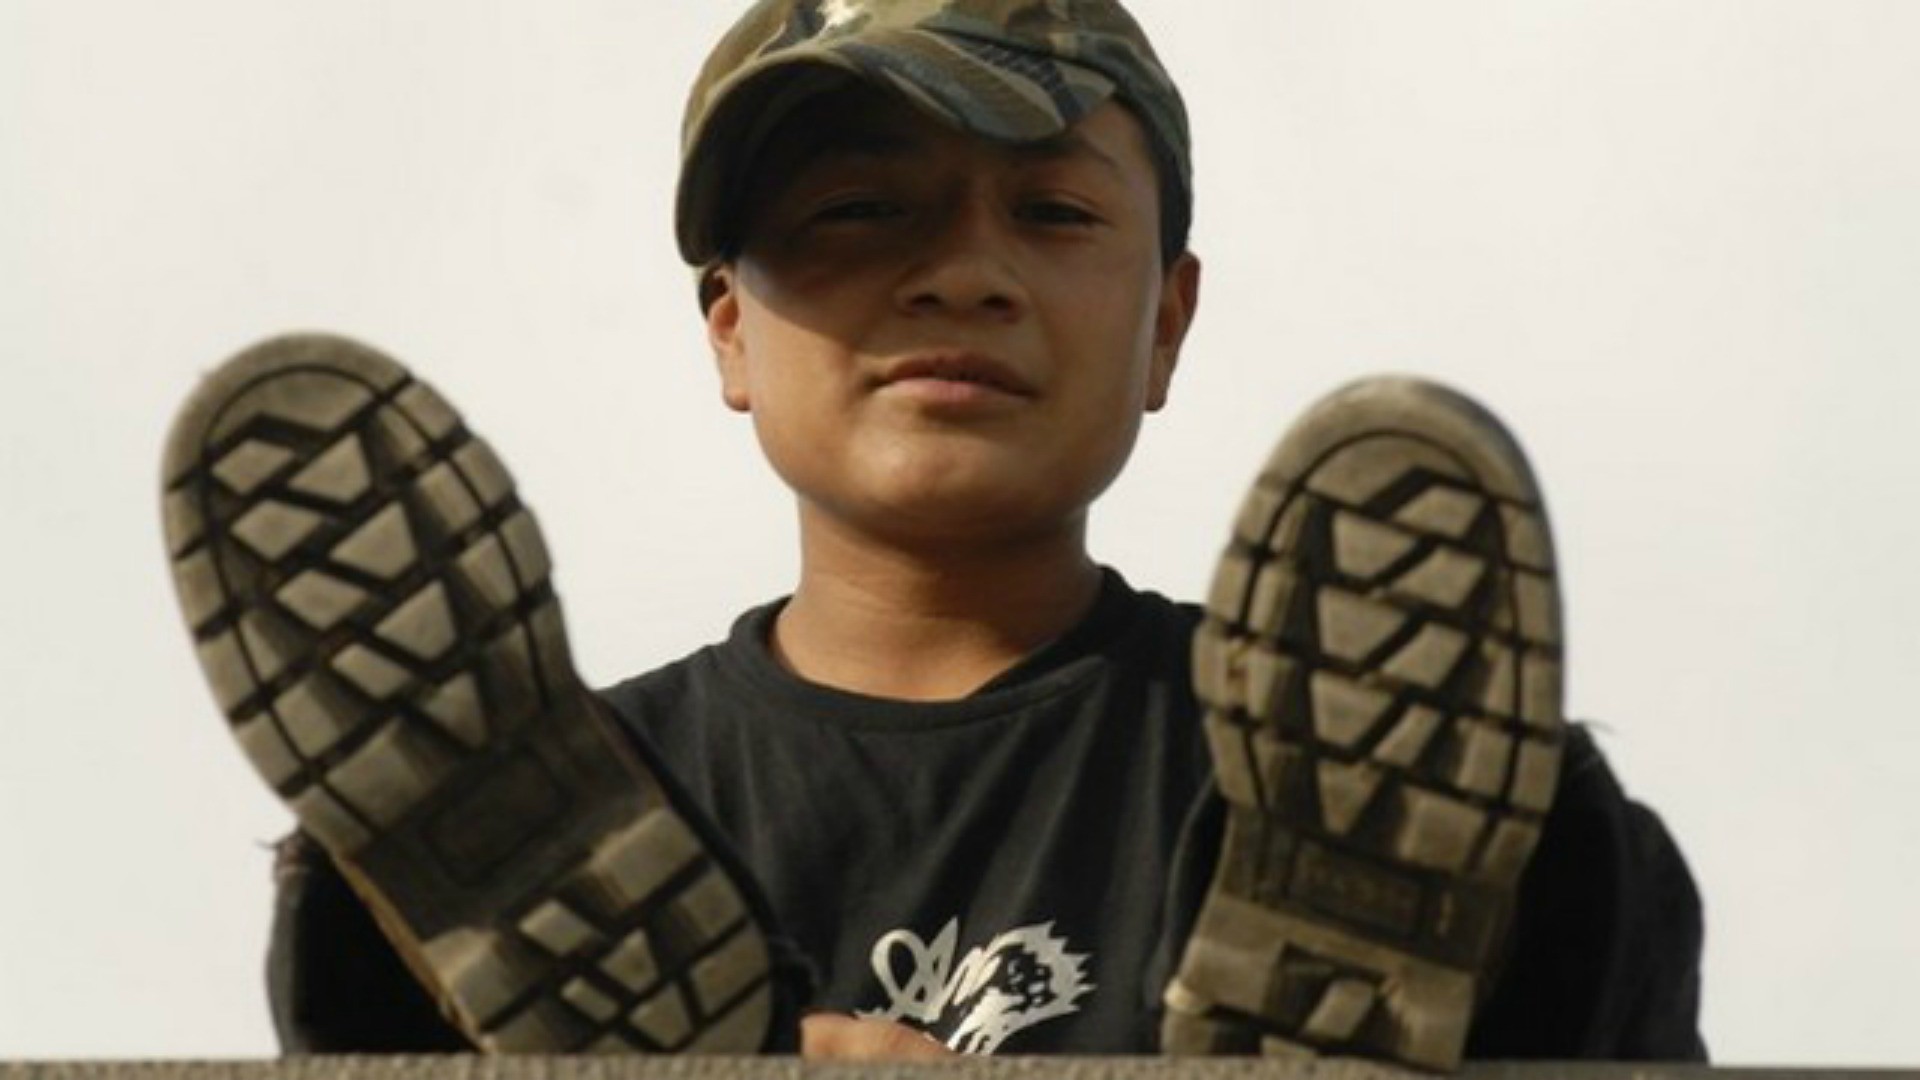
(838, 1037)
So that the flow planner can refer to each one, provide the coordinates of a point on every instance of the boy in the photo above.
(961, 778)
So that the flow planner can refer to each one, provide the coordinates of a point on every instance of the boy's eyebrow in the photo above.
(839, 144)
(1068, 145)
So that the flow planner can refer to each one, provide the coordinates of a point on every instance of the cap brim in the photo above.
(987, 90)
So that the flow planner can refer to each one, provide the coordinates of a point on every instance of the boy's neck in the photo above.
(928, 623)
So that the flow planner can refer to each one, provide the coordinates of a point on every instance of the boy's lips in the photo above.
(958, 370)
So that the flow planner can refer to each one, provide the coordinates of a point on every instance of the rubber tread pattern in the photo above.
(1380, 670)
(371, 605)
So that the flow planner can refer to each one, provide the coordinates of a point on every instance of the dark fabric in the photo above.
(335, 985)
(1605, 954)
(1053, 797)
(1021, 834)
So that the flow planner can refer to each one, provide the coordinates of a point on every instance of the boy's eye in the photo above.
(1057, 212)
(857, 208)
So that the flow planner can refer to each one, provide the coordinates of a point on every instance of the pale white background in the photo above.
(1677, 244)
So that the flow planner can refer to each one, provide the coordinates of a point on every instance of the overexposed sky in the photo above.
(1675, 244)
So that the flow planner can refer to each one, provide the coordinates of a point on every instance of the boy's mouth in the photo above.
(960, 369)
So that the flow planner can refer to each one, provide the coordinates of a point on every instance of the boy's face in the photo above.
(947, 338)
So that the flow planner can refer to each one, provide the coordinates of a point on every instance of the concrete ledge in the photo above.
(681, 1068)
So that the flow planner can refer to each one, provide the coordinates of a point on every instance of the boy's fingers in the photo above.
(838, 1037)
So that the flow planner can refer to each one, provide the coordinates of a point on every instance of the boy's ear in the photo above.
(721, 296)
(1179, 299)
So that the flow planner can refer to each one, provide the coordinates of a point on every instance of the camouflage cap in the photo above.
(1007, 70)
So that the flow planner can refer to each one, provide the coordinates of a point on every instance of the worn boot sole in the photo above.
(371, 605)
(1380, 667)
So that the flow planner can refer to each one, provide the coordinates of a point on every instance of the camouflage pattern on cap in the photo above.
(1008, 70)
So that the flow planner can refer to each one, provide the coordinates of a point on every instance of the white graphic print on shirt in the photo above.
(1021, 978)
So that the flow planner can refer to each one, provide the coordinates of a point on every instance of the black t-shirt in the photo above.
(990, 869)
(995, 869)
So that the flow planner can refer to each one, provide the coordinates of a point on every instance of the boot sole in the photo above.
(371, 605)
(1380, 665)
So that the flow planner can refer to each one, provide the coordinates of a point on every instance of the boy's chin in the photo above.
(977, 521)
(980, 496)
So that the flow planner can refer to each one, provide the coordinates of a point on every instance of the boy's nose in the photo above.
(963, 267)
